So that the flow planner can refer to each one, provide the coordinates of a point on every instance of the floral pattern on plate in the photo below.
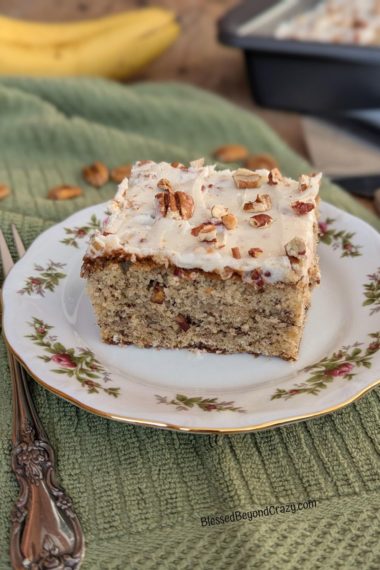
(339, 239)
(79, 363)
(182, 403)
(372, 292)
(341, 364)
(47, 279)
(80, 232)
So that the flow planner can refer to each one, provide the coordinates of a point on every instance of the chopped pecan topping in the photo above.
(177, 164)
(245, 178)
(167, 203)
(260, 220)
(236, 252)
(304, 182)
(262, 203)
(205, 232)
(231, 153)
(255, 252)
(229, 221)
(183, 322)
(120, 172)
(295, 250)
(185, 204)
(97, 244)
(96, 174)
(197, 163)
(218, 211)
(179, 205)
(158, 295)
(274, 177)
(256, 161)
(302, 208)
(195, 231)
(165, 184)
(142, 162)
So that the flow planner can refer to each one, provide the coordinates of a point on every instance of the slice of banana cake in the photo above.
(192, 257)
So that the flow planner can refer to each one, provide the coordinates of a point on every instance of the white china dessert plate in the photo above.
(50, 326)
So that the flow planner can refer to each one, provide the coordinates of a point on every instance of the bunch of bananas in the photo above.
(116, 46)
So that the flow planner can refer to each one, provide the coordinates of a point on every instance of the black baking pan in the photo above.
(311, 77)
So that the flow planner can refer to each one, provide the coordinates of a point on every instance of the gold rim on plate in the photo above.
(184, 429)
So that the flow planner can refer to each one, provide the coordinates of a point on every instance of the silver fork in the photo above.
(46, 532)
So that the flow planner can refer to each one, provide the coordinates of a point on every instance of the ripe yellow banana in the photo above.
(47, 33)
(115, 46)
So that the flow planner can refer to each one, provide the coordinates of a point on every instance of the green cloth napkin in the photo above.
(140, 492)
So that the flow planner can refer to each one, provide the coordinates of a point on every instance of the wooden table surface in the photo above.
(196, 57)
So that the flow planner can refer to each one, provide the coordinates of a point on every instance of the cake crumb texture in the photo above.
(153, 306)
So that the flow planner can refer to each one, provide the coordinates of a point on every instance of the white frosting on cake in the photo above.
(137, 227)
(336, 21)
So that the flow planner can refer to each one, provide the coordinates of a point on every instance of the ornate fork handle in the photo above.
(46, 533)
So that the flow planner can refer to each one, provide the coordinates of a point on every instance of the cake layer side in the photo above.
(146, 304)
